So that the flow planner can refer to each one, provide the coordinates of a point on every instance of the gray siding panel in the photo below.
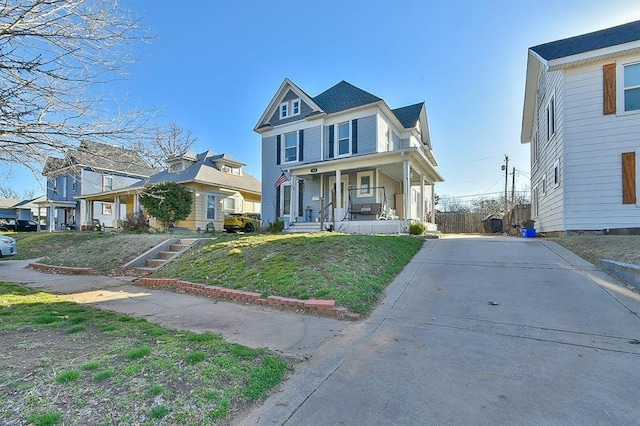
(312, 144)
(367, 141)
(270, 173)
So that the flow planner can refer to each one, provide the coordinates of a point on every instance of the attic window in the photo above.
(176, 167)
(231, 170)
(289, 108)
(107, 183)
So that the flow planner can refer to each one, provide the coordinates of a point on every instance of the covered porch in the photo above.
(107, 209)
(375, 193)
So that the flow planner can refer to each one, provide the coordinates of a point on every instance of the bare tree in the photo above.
(55, 55)
(164, 142)
(8, 192)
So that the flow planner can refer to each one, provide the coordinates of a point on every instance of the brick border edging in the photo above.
(318, 306)
(62, 269)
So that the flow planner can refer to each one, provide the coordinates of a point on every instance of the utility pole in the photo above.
(505, 167)
(513, 187)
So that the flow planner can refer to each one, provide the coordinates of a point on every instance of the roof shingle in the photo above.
(587, 42)
(408, 115)
(343, 96)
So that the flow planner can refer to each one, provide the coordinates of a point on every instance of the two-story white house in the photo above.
(346, 160)
(582, 119)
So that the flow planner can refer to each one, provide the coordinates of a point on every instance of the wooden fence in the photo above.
(460, 222)
(471, 222)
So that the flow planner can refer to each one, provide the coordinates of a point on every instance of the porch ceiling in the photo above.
(389, 163)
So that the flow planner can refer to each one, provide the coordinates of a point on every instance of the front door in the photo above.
(343, 203)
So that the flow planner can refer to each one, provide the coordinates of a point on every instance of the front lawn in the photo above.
(351, 269)
(64, 363)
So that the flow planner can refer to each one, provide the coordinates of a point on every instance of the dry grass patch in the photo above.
(623, 248)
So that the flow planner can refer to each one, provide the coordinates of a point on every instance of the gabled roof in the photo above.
(205, 170)
(101, 156)
(344, 96)
(408, 115)
(7, 203)
(607, 44)
(614, 36)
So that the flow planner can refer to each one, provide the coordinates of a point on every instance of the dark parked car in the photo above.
(19, 225)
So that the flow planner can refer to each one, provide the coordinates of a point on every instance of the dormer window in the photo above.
(176, 167)
(289, 108)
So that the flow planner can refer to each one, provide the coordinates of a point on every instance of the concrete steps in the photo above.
(303, 227)
(162, 254)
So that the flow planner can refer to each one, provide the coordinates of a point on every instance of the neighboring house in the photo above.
(91, 168)
(219, 184)
(582, 119)
(345, 159)
(13, 208)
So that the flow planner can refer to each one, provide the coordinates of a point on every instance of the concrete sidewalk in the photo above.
(255, 326)
(481, 331)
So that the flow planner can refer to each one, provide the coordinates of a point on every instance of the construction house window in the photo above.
(74, 185)
(551, 118)
(291, 147)
(556, 174)
(344, 139)
(534, 202)
(544, 184)
(211, 207)
(632, 87)
(107, 209)
(107, 183)
(365, 183)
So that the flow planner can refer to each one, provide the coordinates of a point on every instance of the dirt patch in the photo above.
(623, 248)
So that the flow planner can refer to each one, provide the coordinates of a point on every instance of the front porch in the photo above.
(378, 193)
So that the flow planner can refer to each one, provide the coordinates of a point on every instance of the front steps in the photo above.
(160, 255)
(303, 227)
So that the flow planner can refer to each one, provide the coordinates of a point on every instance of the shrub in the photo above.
(136, 222)
(276, 226)
(416, 228)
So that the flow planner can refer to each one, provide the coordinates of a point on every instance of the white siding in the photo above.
(550, 152)
(594, 144)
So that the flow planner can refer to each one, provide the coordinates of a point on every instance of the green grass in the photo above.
(98, 250)
(124, 368)
(351, 269)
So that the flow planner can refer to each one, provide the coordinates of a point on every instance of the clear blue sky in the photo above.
(215, 65)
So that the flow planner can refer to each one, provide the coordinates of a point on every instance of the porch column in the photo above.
(136, 203)
(433, 203)
(406, 188)
(116, 205)
(338, 207)
(421, 210)
(50, 217)
(294, 200)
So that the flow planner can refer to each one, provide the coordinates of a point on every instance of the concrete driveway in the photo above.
(478, 331)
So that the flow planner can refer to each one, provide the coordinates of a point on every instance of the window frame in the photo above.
(296, 147)
(290, 108)
(339, 139)
(551, 115)
(106, 178)
(624, 88)
(285, 208)
(207, 206)
(556, 174)
(107, 209)
(360, 176)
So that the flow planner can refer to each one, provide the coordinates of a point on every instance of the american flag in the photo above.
(282, 179)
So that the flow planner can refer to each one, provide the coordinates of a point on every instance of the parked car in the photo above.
(20, 225)
(8, 246)
(247, 222)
